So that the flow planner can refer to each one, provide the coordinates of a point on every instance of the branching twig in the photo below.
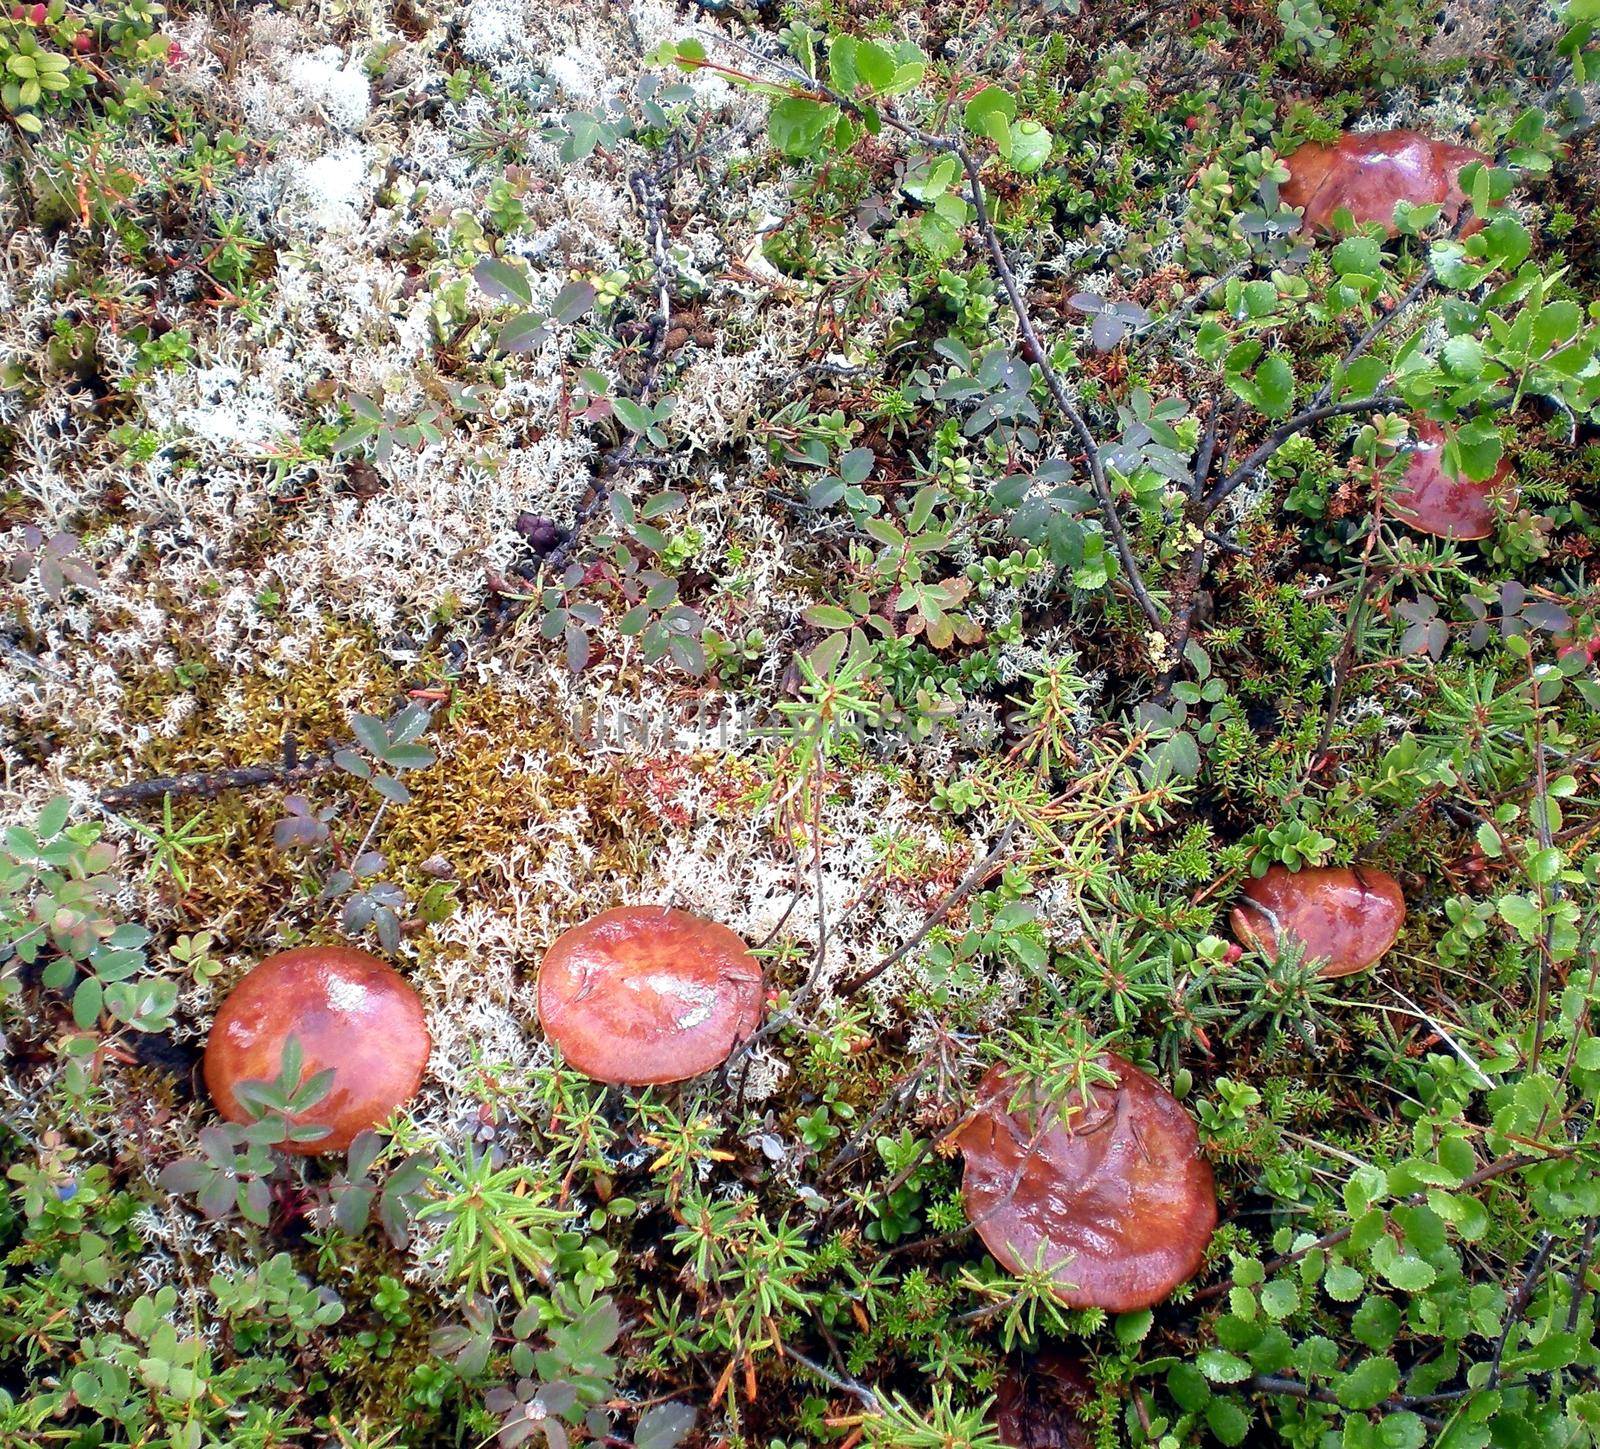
(646, 189)
(855, 1389)
(954, 146)
(1415, 291)
(1277, 1384)
(1284, 432)
(1170, 324)
(1347, 648)
(1058, 392)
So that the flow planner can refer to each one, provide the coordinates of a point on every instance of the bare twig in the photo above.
(1170, 324)
(646, 189)
(1580, 1272)
(1289, 429)
(1549, 893)
(1277, 1384)
(853, 1387)
(1519, 1302)
(969, 883)
(1413, 293)
(976, 194)
(208, 783)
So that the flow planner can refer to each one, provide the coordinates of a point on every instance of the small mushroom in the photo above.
(1367, 173)
(647, 994)
(1345, 916)
(1431, 501)
(1038, 1406)
(1115, 1198)
(348, 1011)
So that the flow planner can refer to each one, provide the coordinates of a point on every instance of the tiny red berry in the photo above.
(83, 42)
(37, 14)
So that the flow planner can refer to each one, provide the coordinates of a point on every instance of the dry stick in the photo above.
(852, 1147)
(973, 878)
(214, 782)
(1414, 292)
(1277, 1384)
(1541, 808)
(645, 189)
(1519, 1303)
(814, 973)
(889, 1189)
(1585, 1254)
(859, 1391)
(954, 146)
(794, 900)
(807, 86)
(1185, 598)
(1579, 1034)
(1287, 430)
(1208, 447)
(1206, 506)
(1170, 324)
(969, 883)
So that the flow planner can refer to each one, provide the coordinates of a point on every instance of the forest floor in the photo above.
(469, 464)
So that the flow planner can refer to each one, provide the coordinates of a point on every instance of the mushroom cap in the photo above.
(647, 994)
(1036, 1406)
(349, 1011)
(1347, 916)
(1367, 173)
(1119, 1197)
(1431, 501)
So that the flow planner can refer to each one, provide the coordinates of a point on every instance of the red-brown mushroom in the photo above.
(349, 1011)
(1038, 1406)
(1344, 916)
(1367, 173)
(647, 994)
(1431, 501)
(1114, 1198)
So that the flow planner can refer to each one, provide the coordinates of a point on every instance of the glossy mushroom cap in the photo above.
(1366, 174)
(646, 994)
(1118, 1197)
(1347, 916)
(1431, 501)
(1037, 1406)
(349, 1011)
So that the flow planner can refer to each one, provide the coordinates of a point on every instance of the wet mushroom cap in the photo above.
(1347, 916)
(646, 994)
(1367, 173)
(349, 1011)
(1431, 501)
(1118, 1196)
(1037, 1406)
